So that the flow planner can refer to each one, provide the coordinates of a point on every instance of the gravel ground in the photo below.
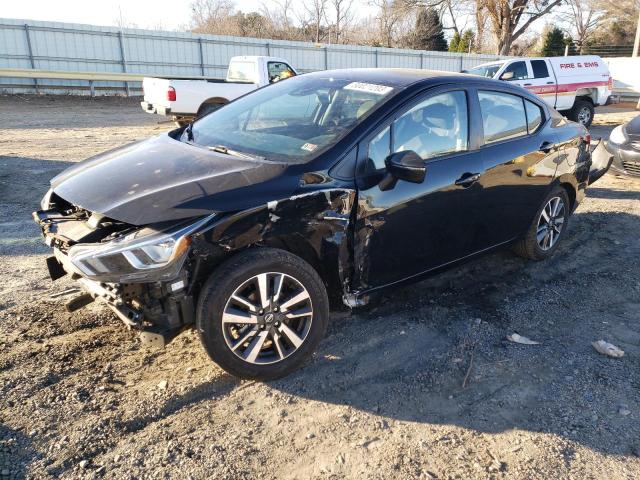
(421, 385)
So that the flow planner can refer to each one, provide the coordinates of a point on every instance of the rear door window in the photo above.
(503, 116)
(539, 68)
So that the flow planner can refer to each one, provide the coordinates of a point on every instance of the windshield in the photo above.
(292, 121)
(488, 71)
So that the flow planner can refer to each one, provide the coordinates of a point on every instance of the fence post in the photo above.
(376, 50)
(123, 60)
(326, 58)
(268, 45)
(422, 60)
(30, 51)
(200, 49)
(460, 69)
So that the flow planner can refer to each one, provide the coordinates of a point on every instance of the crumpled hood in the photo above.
(162, 179)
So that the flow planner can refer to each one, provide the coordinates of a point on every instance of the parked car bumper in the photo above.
(626, 160)
(159, 109)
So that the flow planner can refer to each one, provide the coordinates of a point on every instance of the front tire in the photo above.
(262, 313)
(547, 228)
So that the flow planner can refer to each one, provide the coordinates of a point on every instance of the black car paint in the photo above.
(357, 236)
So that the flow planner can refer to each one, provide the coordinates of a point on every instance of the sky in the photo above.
(168, 14)
(157, 14)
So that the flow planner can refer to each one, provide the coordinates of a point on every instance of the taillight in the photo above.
(171, 94)
(587, 139)
(610, 82)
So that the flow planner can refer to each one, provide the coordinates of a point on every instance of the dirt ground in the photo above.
(383, 397)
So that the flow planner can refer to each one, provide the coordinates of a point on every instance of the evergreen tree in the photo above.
(553, 44)
(466, 42)
(428, 33)
(454, 43)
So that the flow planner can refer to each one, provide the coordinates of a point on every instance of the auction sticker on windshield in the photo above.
(309, 147)
(368, 87)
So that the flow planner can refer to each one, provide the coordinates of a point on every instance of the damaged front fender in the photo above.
(315, 225)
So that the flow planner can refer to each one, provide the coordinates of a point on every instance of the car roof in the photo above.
(403, 77)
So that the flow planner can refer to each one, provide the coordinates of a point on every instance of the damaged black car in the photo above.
(321, 190)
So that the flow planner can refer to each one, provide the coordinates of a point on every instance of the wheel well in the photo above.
(215, 100)
(587, 96)
(211, 101)
(570, 192)
(301, 248)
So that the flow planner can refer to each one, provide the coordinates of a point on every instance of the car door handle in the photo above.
(550, 83)
(467, 179)
(527, 84)
(546, 147)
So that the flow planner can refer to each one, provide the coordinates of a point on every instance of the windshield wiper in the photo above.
(235, 153)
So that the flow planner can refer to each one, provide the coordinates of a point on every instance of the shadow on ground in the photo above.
(436, 352)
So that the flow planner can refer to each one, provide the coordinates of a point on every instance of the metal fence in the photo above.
(87, 48)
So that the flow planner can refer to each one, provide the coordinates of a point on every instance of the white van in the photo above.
(571, 85)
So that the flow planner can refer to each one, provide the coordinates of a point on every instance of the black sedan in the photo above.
(624, 145)
(324, 188)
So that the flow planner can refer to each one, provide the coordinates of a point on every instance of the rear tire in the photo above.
(262, 313)
(547, 228)
(582, 112)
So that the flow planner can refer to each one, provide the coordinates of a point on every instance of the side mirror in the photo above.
(405, 165)
(506, 76)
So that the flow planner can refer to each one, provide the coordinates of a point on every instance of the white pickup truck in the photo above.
(185, 99)
(571, 85)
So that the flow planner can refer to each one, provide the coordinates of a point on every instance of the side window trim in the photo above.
(543, 115)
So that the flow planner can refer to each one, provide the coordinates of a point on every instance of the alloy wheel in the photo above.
(584, 115)
(267, 318)
(550, 223)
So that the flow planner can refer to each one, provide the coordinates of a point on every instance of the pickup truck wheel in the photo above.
(547, 228)
(262, 313)
(582, 112)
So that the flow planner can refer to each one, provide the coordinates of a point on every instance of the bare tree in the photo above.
(511, 18)
(342, 17)
(584, 17)
(481, 22)
(279, 14)
(391, 15)
(210, 15)
(314, 17)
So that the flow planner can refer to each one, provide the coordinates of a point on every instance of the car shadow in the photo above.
(436, 352)
(23, 178)
(611, 194)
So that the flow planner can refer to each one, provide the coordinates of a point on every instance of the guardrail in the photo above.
(84, 76)
(137, 77)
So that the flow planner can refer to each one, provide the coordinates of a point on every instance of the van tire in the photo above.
(582, 112)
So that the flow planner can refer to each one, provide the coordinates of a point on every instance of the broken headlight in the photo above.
(142, 256)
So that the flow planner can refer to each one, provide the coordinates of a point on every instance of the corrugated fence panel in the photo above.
(76, 47)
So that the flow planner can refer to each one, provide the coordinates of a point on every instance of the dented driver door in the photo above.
(412, 228)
